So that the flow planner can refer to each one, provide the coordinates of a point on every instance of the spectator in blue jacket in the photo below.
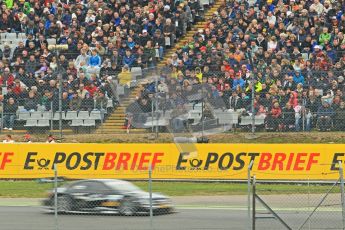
(130, 43)
(298, 78)
(94, 63)
(238, 81)
(128, 59)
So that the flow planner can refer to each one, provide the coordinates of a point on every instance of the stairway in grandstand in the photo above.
(114, 123)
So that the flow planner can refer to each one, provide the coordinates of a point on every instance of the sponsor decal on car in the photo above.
(110, 204)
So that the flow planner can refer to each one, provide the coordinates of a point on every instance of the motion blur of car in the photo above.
(106, 196)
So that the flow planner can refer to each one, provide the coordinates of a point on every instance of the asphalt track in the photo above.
(193, 215)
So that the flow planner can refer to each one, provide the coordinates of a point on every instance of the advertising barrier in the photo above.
(211, 161)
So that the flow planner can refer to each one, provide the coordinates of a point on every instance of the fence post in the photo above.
(303, 119)
(252, 77)
(309, 204)
(2, 116)
(55, 198)
(150, 192)
(60, 106)
(341, 172)
(156, 104)
(248, 200)
(51, 116)
(152, 115)
(253, 203)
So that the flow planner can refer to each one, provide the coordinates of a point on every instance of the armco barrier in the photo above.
(210, 161)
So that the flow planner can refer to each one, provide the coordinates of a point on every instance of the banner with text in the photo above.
(210, 161)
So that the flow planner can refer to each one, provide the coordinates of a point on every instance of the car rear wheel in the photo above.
(64, 204)
(127, 207)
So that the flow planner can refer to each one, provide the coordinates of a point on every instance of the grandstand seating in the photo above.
(224, 34)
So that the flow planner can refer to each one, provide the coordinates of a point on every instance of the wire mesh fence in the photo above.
(162, 99)
(58, 200)
(20, 202)
(306, 206)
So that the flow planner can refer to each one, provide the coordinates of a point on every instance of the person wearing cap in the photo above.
(144, 37)
(199, 60)
(27, 138)
(50, 139)
(317, 49)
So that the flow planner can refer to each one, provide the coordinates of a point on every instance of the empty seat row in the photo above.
(80, 122)
(69, 115)
(12, 36)
(46, 123)
(25, 115)
(13, 43)
(82, 115)
(37, 123)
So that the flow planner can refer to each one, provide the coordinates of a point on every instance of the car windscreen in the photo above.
(123, 186)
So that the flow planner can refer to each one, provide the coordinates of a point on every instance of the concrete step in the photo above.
(114, 122)
(120, 111)
(117, 116)
(112, 126)
(120, 120)
(120, 131)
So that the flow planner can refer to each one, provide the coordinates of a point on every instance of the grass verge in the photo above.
(33, 189)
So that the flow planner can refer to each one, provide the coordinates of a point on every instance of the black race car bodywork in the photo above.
(106, 196)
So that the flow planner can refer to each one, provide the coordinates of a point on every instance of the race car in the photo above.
(106, 196)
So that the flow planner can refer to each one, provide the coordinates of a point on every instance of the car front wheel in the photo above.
(64, 204)
(127, 207)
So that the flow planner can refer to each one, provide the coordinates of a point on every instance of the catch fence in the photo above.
(57, 201)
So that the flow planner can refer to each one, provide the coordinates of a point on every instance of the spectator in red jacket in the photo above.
(274, 117)
(91, 88)
(7, 78)
(293, 100)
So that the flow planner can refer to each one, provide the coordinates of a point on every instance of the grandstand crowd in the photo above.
(297, 48)
(103, 38)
